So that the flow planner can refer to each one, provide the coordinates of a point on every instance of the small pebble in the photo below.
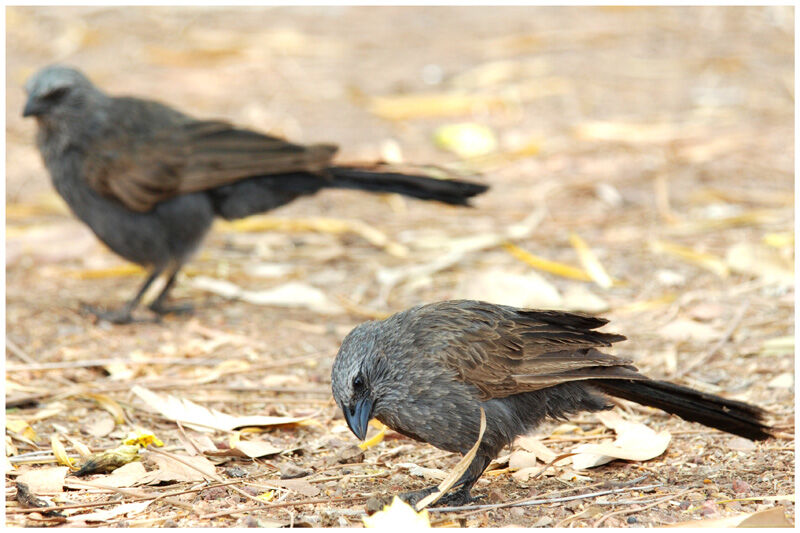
(632, 520)
(741, 487)
(214, 493)
(235, 471)
(351, 454)
(292, 471)
(373, 505)
(709, 508)
(250, 521)
(169, 523)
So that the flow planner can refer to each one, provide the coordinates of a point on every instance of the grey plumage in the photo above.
(149, 180)
(426, 372)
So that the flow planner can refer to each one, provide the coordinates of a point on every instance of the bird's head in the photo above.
(57, 92)
(356, 376)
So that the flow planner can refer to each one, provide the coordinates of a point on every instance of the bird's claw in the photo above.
(455, 498)
(179, 309)
(115, 316)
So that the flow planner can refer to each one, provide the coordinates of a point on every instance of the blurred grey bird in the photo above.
(426, 372)
(149, 180)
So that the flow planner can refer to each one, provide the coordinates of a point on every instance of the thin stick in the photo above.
(737, 318)
(19, 352)
(284, 504)
(101, 504)
(214, 476)
(636, 509)
(524, 503)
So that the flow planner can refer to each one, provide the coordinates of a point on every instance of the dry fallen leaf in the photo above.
(292, 294)
(128, 509)
(177, 469)
(467, 139)
(518, 290)
(761, 261)
(202, 419)
(128, 475)
(109, 460)
(634, 442)
(701, 259)
(248, 448)
(398, 516)
(546, 265)
(591, 264)
(45, 480)
(683, 329)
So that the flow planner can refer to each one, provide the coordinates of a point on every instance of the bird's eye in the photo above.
(358, 382)
(56, 94)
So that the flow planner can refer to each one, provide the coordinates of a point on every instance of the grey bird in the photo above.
(426, 372)
(149, 180)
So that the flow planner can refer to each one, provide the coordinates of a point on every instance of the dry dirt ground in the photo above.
(662, 138)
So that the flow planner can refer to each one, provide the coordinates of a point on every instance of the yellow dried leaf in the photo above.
(374, 440)
(779, 240)
(591, 264)
(109, 460)
(466, 139)
(60, 452)
(546, 265)
(266, 496)
(398, 516)
(142, 437)
(701, 259)
(22, 428)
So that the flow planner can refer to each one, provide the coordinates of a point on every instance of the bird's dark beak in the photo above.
(32, 108)
(358, 417)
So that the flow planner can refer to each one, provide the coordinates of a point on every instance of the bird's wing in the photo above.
(150, 153)
(502, 350)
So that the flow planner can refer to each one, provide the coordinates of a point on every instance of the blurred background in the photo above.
(640, 160)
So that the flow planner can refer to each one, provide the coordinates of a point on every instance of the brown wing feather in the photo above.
(503, 350)
(220, 153)
(150, 153)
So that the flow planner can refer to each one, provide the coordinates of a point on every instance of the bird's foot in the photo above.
(115, 316)
(456, 498)
(160, 308)
(415, 496)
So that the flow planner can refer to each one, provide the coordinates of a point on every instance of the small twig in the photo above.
(527, 502)
(214, 476)
(135, 499)
(637, 509)
(132, 493)
(19, 352)
(284, 504)
(737, 319)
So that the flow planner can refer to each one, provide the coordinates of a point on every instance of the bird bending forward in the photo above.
(426, 372)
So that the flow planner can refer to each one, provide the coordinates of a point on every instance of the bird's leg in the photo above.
(124, 314)
(461, 495)
(158, 305)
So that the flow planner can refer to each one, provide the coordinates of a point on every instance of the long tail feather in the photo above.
(713, 411)
(453, 192)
